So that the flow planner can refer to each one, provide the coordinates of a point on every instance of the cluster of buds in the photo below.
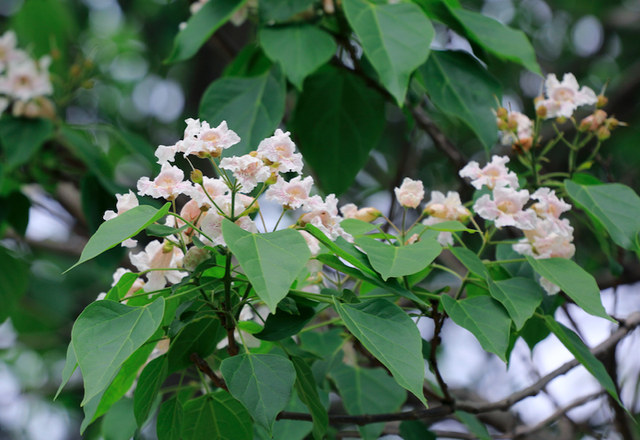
(516, 129)
(600, 124)
(24, 81)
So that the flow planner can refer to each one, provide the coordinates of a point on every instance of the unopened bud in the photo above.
(541, 111)
(55, 54)
(368, 214)
(272, 179)
(75, 70)
(603, 133)
(204, 154)
(526, 143)
(513, 124)
(502, 125)
(253, 153)
(167, 247)
(502, 113)
(612, 123)
(561, 119)
(602, 101)
(196, 176)
(463, 214)
(538, 99)
(586, 123)
(437, 210)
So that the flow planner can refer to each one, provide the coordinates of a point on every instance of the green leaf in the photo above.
(461, 88)
(368, 391)
(471, 261)
(520, 296)
(15, 210)
(338, 120)
(574, 344)
(397, 261)
(249, 62)
(169, 424)
(70, 365)
(148, 387)
(300, 49)
(616, 205)
(117, 230)
(158, 230)
(308, 392)
(119, 423)
(485, 318)
(21, 138)
(391, 336)
(271, 261)
(14, 280)
(344, 250)
(200, 337)
(579, 285)
(104, 336)
(216, 416)
(502, 41)
(201, 26)
(395, 38)
(282, 325)
(279, 10)
(356, 227)
(253, 107)
(451, 226)
(415, 430)
(474, 425)
(261, 382)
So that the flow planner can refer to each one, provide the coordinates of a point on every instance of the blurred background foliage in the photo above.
(119, 99)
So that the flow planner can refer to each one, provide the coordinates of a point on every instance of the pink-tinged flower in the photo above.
(549, 205)
(312, 242)
(125, 202)
(214, 187)
(520, 130)
(202, 140)
(350, 210)
(548, 286)
(292, 194)
(166, 153)
(194, 257)
(444, 238)
(494, 174)
(155, 257)
(506, 208)
(168, 184)
(324, 216)
(248, 171)
(563, 98)
(280, 151)
(8, 51)
(27, 79)
(446, 208)
(137, 284)
(410, 193)
(367, 214)
(547, 240)
(212, 226)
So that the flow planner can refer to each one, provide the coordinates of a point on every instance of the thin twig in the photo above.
(206, 369)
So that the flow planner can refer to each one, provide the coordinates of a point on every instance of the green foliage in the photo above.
(305, 386)
(216, 416)
(520, 296)
(200, 336)
(22, 138)
(148, 387)
(13, 282)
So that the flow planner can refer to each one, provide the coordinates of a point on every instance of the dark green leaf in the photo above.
(157, 230)
(216, 416)
(471, 261)
(574, 344)
(520, 296)
(579, 285)
(169, 424)
(115, 231)
(308, 392)
(616, 205)
(271, 261)
(106, 334)
(485, 318)
(391, 336)
(282, 325)
(395, 38)
(534, 331)
(249, 62)
(21, 138)
(201, 26)
(261, 382)
(300, 49)
(200, 337)
(460, 87)
(415, 430)
(474, 425)
(338, 119)
(281, 9)
(253, 107)
(126, 281)
(397, 261)
(14, 280)
(148, 387)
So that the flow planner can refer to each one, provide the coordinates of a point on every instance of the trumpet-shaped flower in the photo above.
(248, 171)
(563, 98)
(292, 194)
(168, 184)
(155, 256)
(506, 208)
(213, 187)
(212, 226)
(446, 208)
(200, 139)
(410, 193)
(495, 174)
(324, 216)
(519, 131)
(280, 152)
(27, 79)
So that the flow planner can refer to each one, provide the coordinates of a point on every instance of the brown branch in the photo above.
(367, 419)
(435, 341)
(206, 369)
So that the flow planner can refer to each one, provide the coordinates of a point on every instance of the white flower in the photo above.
(154, 257)
(137, 284)
(214, 187)
(312, 242)
(280, 150)
(248, 171)
(27, 79)
(506, 208)
(212, 226)
(494, 174)
(201, 140)
(350, 210)
(547, 240)
(547, 285)
(168, 184)
(125, 202)
(166, 153)
(446, 208)
(194, 257)
(410, 193)
(8, 51)
(549, 205)
(324, 216)
(292, 194)
(444, 238)
(523, 130)
(563, 98)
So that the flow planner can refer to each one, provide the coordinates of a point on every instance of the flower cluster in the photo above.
(208, 201)
(546, 234)
(563, 97)
(24, 81)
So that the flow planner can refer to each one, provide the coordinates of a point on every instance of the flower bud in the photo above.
(167, 247)
(502, 113)
(603, 133)
(253, 153)
(75, 71)
(586, 123)
(541, 111)
(255, 207)
(437, 210)
(602, 101)
(526, 143)
(368, 214)
(196, 176)
(502, 125)
(561, 119)
(612, 123)
(272, 179)
(412, 239)
(513, 124)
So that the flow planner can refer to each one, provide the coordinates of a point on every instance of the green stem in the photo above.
(191, 225)
(312, 296)
(321, 324)
(446, 269)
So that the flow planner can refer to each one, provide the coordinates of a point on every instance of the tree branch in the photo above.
(206, 369)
